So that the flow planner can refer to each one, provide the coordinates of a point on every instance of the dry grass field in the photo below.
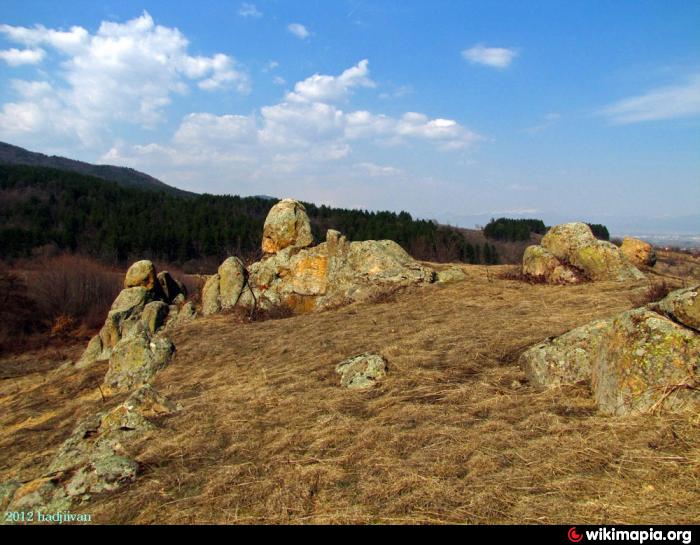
(454, 434)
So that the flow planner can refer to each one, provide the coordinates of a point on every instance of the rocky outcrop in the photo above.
(638, 252)
(94, 459)
(304, 278)
(642, 360)
(286, 225)
(362, 371)
(569, 253)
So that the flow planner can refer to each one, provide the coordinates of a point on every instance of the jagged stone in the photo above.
(682, 306)
(154, 315)
(211, 304)
(453, 274)
(170, 287)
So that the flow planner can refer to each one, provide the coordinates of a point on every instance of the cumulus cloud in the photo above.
(671, 102)
(296, 136)
(17, 57)
(249, 10)
(125, 72)
(298, 30)
(495, 57)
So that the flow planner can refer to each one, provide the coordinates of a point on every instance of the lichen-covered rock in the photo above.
(453, 274)
(286, 225)
(362, 371)
(136, 359)
(638, 252)
(211, 304)
(141, 274)
(647, 363)
(540, 264)
(569, 253)
(232, 278)
(566, 359)
(42, 494)
(682, 306)
(7, 491)
(154, 315)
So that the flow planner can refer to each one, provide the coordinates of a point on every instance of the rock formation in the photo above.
(94, 459)
(641, 360)
(307, 278)
(638, 252)
(132, 337)
(569, 253)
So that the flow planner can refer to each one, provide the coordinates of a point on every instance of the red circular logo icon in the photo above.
(574, 536)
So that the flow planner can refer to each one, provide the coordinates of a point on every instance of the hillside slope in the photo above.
(124, 176)
(453, 434)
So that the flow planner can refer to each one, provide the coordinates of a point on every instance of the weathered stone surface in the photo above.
(7, 491)
(638, 252)
(43, 494)
(569, 253)
(170, 287)
(154, 315)
(180, 314)
(540, 264)
(286, 225)
(211, 303)
(362, 371)
(232, 278)
(566, 359)
(143, 274)
(647, 363)
(453, 274)
(682, 306)
(136, 359)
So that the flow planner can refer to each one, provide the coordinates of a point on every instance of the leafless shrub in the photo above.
(655, 292)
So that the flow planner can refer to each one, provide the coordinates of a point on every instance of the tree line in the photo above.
(515, 230)
(82, 214)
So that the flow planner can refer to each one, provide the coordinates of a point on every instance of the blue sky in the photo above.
(453, 110)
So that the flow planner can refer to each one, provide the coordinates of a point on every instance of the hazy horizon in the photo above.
(452, 111)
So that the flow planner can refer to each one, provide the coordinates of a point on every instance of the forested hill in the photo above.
(124, 176)
(43, 206)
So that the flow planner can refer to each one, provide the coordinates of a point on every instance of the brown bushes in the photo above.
(18, 313)
(655, 292)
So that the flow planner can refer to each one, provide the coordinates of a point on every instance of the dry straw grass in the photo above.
(454, 434)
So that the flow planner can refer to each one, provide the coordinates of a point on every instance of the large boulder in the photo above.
(566, 359)
(287, 224)
(647, 363)
(170, 287)
(141, 274)
(570, 253)
(211, 303)
(638, 252)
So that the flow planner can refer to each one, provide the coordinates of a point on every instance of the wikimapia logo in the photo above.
(636, 536)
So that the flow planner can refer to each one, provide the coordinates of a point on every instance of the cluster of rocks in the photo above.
(295, 274)
(94, 459)
(641, 360)
(133, 336)
(570, 253)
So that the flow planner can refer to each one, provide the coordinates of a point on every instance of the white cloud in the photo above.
(495, 57)
(298, 30)
(249, 10)
(547, 121)
(125, 72)
(671, 102)
(305, 136)
(17, 57)
(279, 80)
(319, 88)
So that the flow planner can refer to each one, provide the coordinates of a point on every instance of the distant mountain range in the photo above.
(124, 176)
